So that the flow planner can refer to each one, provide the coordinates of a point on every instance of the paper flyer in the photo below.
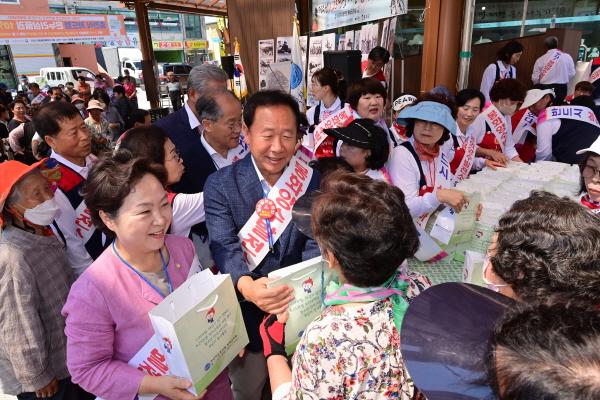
(307, 279)
(391, 35)
(278, 76)
(266, 57)
(315, 62)
(329, 42)
(349, 40)
(341, 45)
(284, 48)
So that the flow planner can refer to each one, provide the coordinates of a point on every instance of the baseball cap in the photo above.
(535, 95)
(403, 101)
(445, 339)
(362, 132)
(594, 148)
(429, 111)
(11, 172)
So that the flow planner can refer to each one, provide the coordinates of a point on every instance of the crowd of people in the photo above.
(104, 214)
(109, 109)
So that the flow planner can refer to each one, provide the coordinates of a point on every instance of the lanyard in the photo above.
(268, 225)
(164, 263)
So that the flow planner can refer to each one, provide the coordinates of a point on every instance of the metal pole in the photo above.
(465, 49)
(524, 19)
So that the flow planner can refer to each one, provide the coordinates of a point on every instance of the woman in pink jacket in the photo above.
(107, 323)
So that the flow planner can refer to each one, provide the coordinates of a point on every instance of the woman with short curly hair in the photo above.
(545, 245)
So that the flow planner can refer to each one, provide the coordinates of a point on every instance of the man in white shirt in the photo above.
(554, 70)
(62, 127)
(220, 116)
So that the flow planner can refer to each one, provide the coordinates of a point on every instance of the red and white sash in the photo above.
(595, 75)
(550, 64)
(497, 123)
(528, 119)
(340, 119)
(577, 113)
(466, 164)
(288, 188)
(593, 206)
(440, 178)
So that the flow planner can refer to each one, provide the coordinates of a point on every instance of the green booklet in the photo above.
(308, 279)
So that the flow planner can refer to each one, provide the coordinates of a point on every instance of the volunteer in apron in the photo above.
(524, 122)
(366, 99)
(491, 129)
(325, 89)
(419, 167)
(503, 68)
(110, 339)
(399, 131)
(461, 149)
(590, 177)
(365, 147)
(154, 144)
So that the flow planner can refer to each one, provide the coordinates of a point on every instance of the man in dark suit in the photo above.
(184, 129)
(231, 195)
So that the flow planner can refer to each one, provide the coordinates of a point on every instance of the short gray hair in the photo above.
(201, 76)
(207, 106)
(551, 42)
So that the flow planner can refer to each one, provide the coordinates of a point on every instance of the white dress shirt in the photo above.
(188, 210)
(194, 123)
(545, 131)
(325, 111)
(233, 155)
(561, 72)
(448, 148)
(78, 256)
(489, 77)
(263, 182)
(404, 171)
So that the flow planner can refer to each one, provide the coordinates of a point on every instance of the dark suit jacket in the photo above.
(198, 163)
(230, 198)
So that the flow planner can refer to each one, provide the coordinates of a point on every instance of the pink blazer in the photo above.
(107, 323)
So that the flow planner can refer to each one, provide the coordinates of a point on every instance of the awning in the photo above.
(207, 7)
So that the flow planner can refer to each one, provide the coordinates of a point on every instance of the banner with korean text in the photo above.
(329, 14)
(60, 28)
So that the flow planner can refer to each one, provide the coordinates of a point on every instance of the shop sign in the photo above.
(196, 44)
(163, 45)
(61, 28)
(329, 14)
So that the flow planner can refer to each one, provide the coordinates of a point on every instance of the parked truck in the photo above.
(131, 59)
(118, 59)
(110, 61)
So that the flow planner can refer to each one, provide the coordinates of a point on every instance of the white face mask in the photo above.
(509, 109)
(43, 214)
(492, 286)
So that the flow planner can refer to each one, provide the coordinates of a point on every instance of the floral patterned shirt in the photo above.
(352, 352)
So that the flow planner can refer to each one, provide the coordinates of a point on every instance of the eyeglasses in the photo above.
(590, 172)
(176, 156)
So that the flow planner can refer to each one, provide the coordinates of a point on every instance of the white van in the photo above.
(57, 75)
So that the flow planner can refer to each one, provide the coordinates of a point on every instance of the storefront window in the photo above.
(409, 31)
(501, 20)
